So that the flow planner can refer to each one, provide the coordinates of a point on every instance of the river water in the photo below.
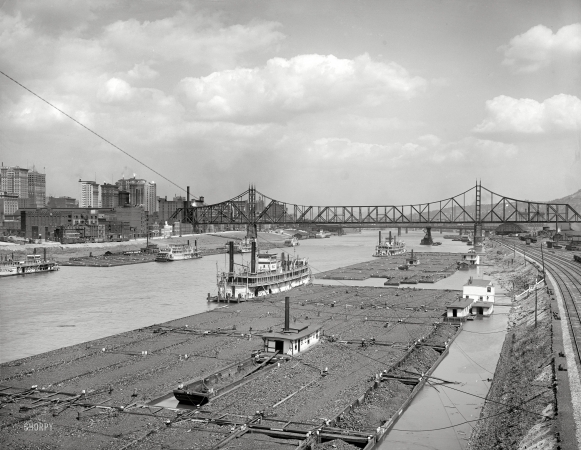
(43, 312)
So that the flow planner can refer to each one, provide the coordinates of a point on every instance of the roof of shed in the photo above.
(463, 303)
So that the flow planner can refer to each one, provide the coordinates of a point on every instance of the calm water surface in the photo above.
(44, 312)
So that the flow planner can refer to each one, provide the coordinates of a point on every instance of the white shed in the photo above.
(460, 308)
(479, 290)
(471, 258)
(296, 339)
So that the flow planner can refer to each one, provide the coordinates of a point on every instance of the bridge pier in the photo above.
(406, 231)
(427, 240)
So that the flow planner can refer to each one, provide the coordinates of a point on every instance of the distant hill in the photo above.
(574, 200)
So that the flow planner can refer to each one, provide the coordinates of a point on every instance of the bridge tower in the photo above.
(478, 219)
(251, 230)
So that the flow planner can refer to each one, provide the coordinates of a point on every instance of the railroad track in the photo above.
(567, 272)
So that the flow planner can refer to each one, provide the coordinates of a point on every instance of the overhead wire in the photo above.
(91, 131)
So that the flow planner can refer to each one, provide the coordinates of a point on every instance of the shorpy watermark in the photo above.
(37, 426)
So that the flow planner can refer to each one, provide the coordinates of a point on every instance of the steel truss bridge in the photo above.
(477, 206)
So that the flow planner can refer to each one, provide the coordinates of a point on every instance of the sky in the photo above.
(314, 102)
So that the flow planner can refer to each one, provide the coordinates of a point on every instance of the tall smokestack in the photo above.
(253, 257)
(379, 237)
(390, 236)
(286, 313)
(231, 254)
(282, 261)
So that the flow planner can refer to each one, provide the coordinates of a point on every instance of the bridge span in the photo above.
(477, 207)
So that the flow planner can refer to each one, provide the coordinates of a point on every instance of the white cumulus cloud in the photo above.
(304, 83)
(539, 46)
(506, 114)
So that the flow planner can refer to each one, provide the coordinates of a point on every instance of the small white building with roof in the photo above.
(481, 292)
(292, 339)
(471, 258)
(459, 309)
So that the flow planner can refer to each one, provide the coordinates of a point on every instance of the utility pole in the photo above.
(543, 261)
(536, 302)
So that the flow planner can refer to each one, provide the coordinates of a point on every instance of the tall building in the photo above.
(89, 195)
(151, 197)
(37, 189)
(109, 195)
(141, 192)
(14, 181)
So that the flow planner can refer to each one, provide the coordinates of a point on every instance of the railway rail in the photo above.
(565, 268)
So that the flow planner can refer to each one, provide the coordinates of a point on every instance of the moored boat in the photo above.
(389, 247)
(267, 274)
(293, 242)
(32, 264)
(245, 245)
(177, 252)
(322, 234)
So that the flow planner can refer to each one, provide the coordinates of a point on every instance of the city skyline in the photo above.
(313, 102)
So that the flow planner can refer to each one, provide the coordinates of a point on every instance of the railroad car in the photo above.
(577, 258)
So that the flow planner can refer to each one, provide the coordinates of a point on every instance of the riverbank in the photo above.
(207, 244)
(521, 407)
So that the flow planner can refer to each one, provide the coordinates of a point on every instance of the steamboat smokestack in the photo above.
(231, 254)
(286, 313)
(390, 236)
(379, 237)
(253, 257)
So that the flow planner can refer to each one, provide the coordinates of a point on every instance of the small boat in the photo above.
(245, 245)
(177, 252)
(293, 242)
(322, 234)
(437, 243)
(203, 390)
(32, 264)
(389, 247)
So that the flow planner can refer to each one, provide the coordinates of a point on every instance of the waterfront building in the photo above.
(89, 194)
(471, 258)
(36, 189)
(109, 195)
(460, 309)
(43, 223)
(62, 202)
(83, 223)
(479, 290)
(481, 293)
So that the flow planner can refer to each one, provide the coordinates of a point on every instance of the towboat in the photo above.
(177, 252)
(267, 274)
(322, 234)
(389, 247)
(32, 264)
(245, 245)
(293, 242)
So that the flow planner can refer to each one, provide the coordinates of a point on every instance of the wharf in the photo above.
(109, 390)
